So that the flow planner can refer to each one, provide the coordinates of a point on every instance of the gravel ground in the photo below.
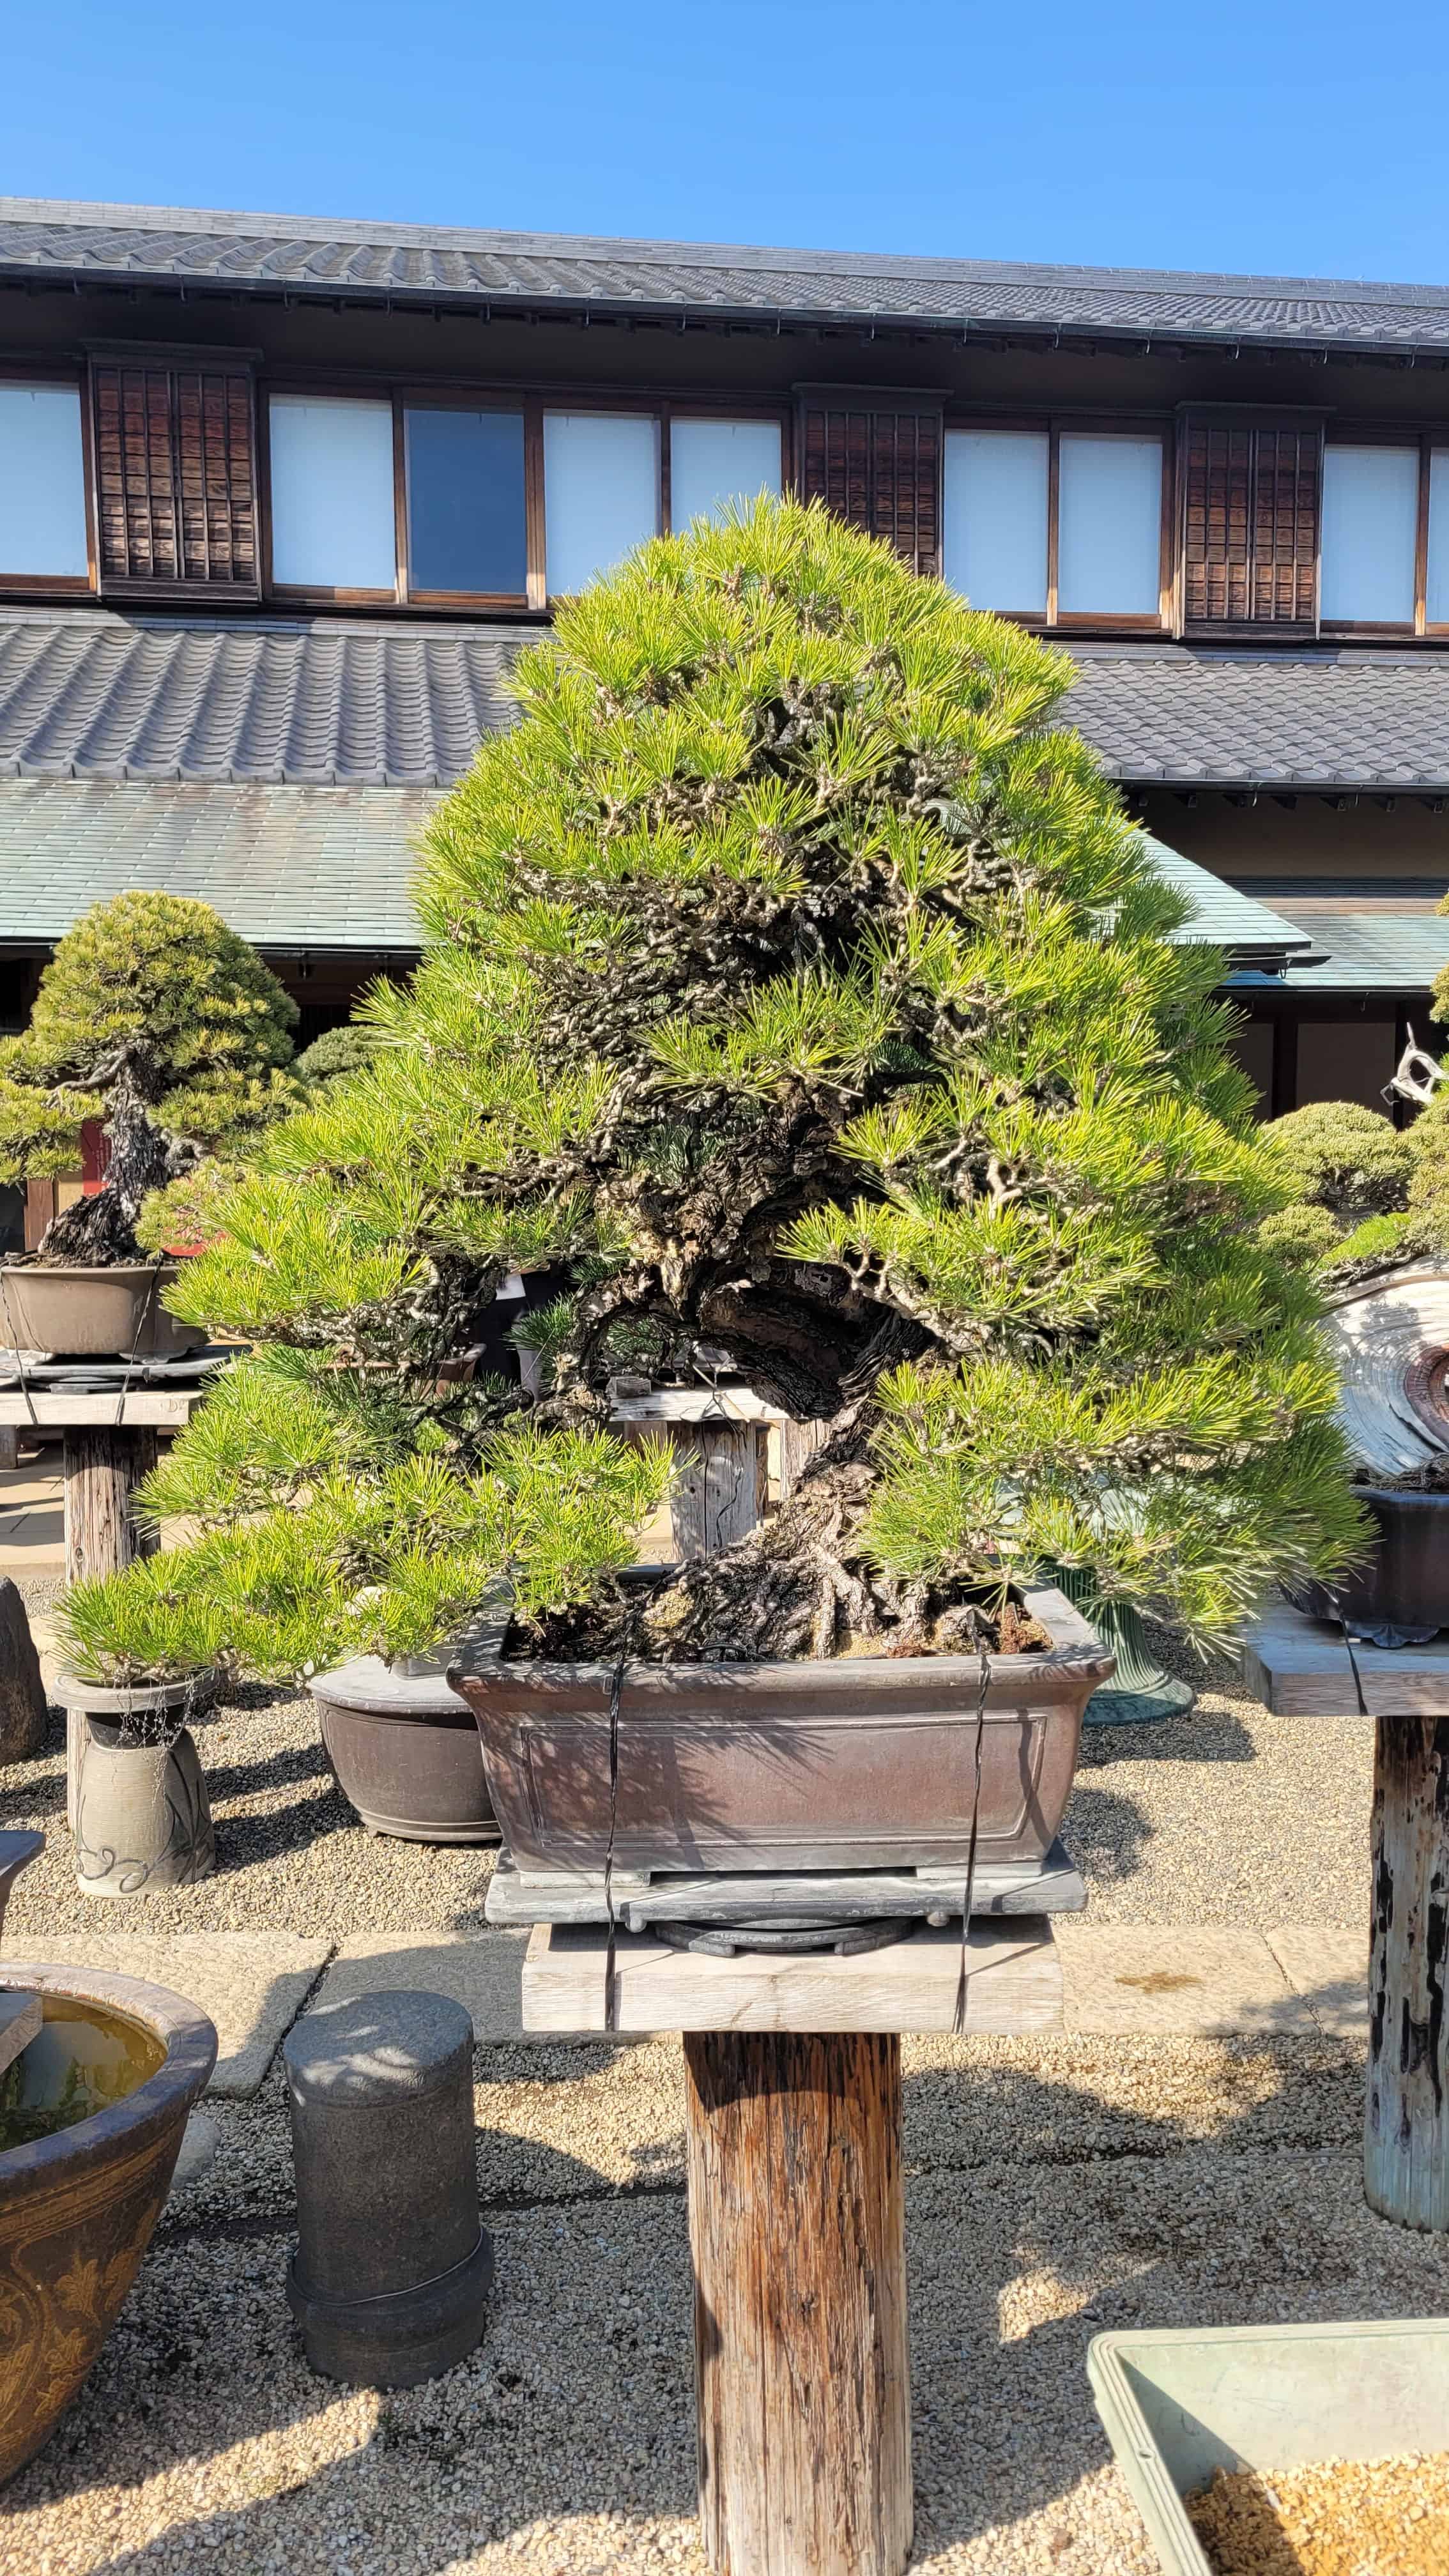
(1055, 2187)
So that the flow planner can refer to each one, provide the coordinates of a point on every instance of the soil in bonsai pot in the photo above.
(1330, 2518)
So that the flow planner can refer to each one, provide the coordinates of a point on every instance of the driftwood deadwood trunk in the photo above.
(796, 2226)
(1406, 2128)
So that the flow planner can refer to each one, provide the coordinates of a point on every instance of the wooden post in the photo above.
(9, 1446)
(1406, 2125)
(797, 2230)
(720, 1493)
(102, 1469)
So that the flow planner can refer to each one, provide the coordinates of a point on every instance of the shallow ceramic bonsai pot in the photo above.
(1402, 1589)
(136, 1800)
(80, 1313)
(863, 1762)
(405, 1751)
(77, 2208)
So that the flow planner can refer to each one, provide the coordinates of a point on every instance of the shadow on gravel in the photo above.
(1052, 2189)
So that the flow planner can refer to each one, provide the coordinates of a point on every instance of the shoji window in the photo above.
(994, 517)
(467, 523)
(717, 464)
(1370, 535)
(42, 484)
(333, 522)
(1109, 530)
(1436, 604)
(600, 492)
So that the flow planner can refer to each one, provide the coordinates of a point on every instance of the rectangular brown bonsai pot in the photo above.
(863, 1762)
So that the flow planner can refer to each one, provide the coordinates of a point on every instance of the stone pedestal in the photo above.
(390, 2279)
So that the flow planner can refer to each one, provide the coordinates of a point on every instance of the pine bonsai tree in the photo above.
(797, 979)
(157, 1020)
(1366, 1194)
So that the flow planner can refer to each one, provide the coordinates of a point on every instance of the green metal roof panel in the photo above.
(287, 867)
(1248, 932)
(1375, 952)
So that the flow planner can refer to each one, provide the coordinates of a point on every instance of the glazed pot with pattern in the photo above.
(78, 2205)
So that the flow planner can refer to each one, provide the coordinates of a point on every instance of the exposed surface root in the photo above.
(796, 1587)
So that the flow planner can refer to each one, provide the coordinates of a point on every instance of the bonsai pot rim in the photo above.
(196, 1696)
(185, 2032)
(1055, 1671)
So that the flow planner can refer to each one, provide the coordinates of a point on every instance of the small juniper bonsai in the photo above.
(794, 977)
(156, 1020)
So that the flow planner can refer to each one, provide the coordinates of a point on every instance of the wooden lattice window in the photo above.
(175, 469)
(877, 464)
(1250, 522)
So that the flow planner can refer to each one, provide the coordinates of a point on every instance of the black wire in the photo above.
(969, 1894)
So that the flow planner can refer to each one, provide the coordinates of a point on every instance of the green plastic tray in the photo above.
(1179, 2405)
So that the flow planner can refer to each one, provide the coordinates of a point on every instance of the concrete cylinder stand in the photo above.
(390, 2278)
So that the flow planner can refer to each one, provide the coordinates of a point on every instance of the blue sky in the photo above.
(1296, 135)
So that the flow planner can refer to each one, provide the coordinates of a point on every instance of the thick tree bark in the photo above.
(102, 1470)
(797, 2230)
(1406, 2128)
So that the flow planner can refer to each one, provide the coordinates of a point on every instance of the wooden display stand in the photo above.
(1308, 1668)
(796, 2209)
(108, 1447)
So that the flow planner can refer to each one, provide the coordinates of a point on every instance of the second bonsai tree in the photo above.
(160, 1026)
(796, 978)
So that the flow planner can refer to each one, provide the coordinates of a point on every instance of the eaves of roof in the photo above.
(723, 283)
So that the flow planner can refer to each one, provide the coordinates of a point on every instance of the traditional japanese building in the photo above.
(279, 499)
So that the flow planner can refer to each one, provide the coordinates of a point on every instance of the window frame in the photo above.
(532, 400)
(1054, 620)
(1422, 443)
(60, 586)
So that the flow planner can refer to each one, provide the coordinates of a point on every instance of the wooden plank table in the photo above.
(1306, 1667)
(796, 2208)
(109, 1445)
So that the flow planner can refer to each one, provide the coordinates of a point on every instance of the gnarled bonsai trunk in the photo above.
(99, 1230)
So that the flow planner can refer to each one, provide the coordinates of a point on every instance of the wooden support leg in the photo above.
(1406, 2127)
(720, 1494)
(102, 1470)
(802, 2376)
(9, 1445)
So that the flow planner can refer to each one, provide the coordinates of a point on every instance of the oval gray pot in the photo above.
(142, 1818)
(405, 1750)
(94, 1313)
